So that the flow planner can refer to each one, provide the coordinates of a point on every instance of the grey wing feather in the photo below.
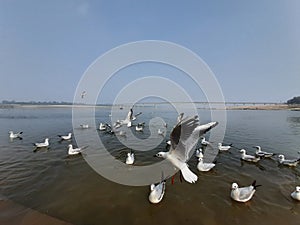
(186, 134)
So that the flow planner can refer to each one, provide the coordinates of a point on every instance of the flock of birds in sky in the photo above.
(183, 139)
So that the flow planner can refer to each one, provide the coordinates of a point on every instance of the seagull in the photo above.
(157, 192)
(288, 162)
(16, 135)
(140, 127)
(204, 142)
(199, 153)
(74, 151)
(184, 137)
(83, 94)
(248, 158)
(102, 126)
(202, 166)
(243, 194)
(130, 158)
(84, 126)
(161, 132)
(224, 147)
(66, 137)
(261, 153)
(296, 194)
(44, 144)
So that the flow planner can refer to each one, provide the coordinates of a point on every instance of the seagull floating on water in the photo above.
(296, 194)
(243, 194)
(224, 148)
(84, 126)
(74, 151)
(43, 144)
(261, 153)
(248, 158)
(287, 162)
(184, 137)
(13, 135)
(204, 142)
(161, 132)
(66, 137)
(199, 153)
(102, 126)
(204, 167)
(157, 192)
(139, 127)
(130, 158)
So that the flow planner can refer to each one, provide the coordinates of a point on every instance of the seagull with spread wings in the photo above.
(184, 137)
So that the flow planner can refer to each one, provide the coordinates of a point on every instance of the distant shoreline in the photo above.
(231, 107)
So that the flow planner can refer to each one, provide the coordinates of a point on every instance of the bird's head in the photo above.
(243, 151)
(298, 189)
(161, 154)
(281, 157)
(234, 186)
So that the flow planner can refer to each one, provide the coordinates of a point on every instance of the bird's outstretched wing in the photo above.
(185, 136)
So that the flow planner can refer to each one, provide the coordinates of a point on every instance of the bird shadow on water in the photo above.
(43, 149)
(243, 163)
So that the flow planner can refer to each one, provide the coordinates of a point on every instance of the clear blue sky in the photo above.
(253, 47)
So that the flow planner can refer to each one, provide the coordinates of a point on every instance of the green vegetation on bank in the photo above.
(295, 100)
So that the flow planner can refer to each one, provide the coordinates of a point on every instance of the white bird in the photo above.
(83, 94)
(199, 153)
(102, 126)
(288, 162)
(139, 127)
(74, 151)
(261, 153)
(84, 126)
(184, 137)
(204, 142)
(224, 147)
(44, 144)
(168, 142)
(157, 192)
(243, 194)
(202, 166)
(248, 158)
(296, 194)
(130, 158)
(16, 135)
(66, 137)
(161, 132)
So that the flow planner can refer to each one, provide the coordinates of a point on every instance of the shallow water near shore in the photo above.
(69, 189)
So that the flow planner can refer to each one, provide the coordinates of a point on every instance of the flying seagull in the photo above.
(184, 137)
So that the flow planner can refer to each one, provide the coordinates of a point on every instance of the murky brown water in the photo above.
(68, 189)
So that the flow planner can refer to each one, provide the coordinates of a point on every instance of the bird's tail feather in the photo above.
(255, 185)
(188, 175)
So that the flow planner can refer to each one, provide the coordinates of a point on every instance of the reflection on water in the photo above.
(67, 188)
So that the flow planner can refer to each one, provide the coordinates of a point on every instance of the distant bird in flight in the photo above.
(83, 94)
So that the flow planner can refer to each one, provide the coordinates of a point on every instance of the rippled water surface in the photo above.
(67, 188)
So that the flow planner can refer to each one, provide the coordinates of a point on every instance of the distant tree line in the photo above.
(7, 102)
(295, 100)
